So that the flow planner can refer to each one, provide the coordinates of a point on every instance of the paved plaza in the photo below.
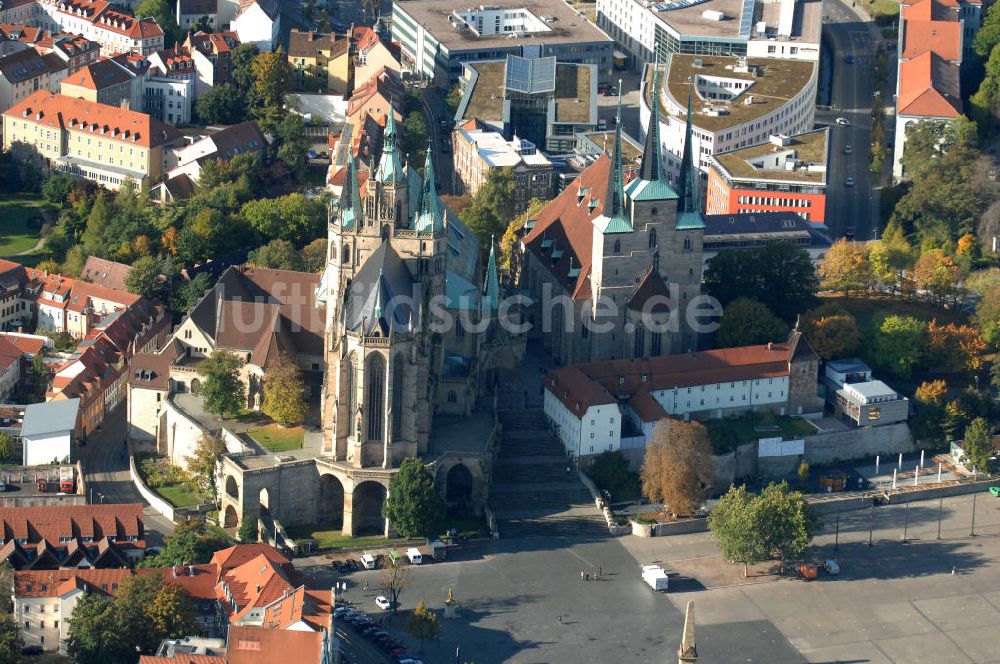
(893, 602)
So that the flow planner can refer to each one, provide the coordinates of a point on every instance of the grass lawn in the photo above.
(15, 235)
(881, 7)
(868, 308)
(467, 524)
(333, 539)
(730, 432)
(179, 495)
(278, 439)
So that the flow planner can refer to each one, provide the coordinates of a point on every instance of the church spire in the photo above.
(491, 289)
(390, 169)
(652, 184)
(350, 197)
(652, 160)
(689, 213)
(429, 216)
(614, 200)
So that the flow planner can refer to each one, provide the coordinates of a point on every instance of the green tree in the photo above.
(284, 393)
(221, 104)
(249, 532)
(94, 634)
(736, 525)
(242, 59)
(74, 262)
(894, 344)
(134, 597)
(492, 207)
(890, 258)
(6, 448)
(610, 473)
(39, 379)
(57, 188)
(10, 641)
(977, 447)
(203, 463)
(415, 137)
(187, 295)
(277, 255)
(780, 275)
(223, 391)
(172, 612)
(291, 145)
(989, 33)
(192, 542)
(746, 322)
(98, 227)
(413, 505)
(788, 525)
(314, 255)
(145, 279)
(162, 11)
(423, 624)
(272, 77)
(453, 99)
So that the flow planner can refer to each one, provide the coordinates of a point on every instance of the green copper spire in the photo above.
(689, 213)
(429, 216)
(491, 289)
(350, 197)
(614, 200)
(390, 169)
(652, 185)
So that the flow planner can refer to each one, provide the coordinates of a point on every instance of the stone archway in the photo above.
(330, 502)
(458, 487)
(232, 488)
(366, 508)
(264, 500)
(232, 520)
(195, 386)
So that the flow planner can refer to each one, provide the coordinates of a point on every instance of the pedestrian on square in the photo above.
(600, 570)
(581, 575)
(586, 576)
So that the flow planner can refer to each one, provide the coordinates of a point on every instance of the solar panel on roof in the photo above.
(530, 75)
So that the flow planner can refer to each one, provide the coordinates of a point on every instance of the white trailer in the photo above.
(655, 577)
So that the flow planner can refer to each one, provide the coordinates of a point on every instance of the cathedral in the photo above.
(403, 306)
(612, 265)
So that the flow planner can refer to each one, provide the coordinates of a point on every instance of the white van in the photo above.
(413, 555)
(367, 560)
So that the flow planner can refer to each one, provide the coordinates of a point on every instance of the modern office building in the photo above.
(436, 36)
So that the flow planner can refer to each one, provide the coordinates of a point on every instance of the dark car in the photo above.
(31, 650)
(849, 59)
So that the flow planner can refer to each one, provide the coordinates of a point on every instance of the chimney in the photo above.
(190, 570)
(173, 569)
(770, 346)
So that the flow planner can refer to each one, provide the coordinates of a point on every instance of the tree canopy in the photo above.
(895, 344)
(222, 391)
(832, 332)
(492, 207)
(746, 322)
(780, 275)
(677, 466)
(284, 393)
(976, 447)
(413, 506)
(193, 542)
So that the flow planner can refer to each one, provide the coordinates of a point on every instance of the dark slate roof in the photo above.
(377, 294)
(764, 222)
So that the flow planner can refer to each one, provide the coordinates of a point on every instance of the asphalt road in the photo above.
(105, 468)
(851, 209)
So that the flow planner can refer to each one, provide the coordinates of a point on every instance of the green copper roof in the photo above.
(652, 185)
(390, 169)
(687, 181)
(491, 290)
(614, 201)
(429, 215)
(350, 198)
(689, 221)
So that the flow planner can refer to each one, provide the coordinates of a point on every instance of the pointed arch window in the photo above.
(618, 246)
(350, 386)
(640, 341)
(687, 244)
(375, 396)
(397, 395)
(347, 254)
(652, 238)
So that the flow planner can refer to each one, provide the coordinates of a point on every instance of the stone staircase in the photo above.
(532, 495)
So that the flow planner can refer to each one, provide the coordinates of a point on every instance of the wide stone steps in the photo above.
(532, 495)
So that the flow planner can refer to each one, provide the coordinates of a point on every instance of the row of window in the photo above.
(774, 201)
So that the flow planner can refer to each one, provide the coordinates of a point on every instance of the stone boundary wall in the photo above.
(609, 517)
(155, 501)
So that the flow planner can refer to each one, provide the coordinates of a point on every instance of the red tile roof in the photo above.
(119, 124)
(931, 10)
(255, 645)
(941, 37)
(55, 522)
(929, 86)
(57, 582)
(10, 354)
(566, 223)
(26, 344)
(580, 386)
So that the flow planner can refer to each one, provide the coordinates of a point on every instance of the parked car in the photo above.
(849, 59)
(831, 567)
(848, 149)
(312, 154)
(849, 182)
(383, 603)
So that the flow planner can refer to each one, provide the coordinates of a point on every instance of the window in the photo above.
(652, 238)
(452, 397)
